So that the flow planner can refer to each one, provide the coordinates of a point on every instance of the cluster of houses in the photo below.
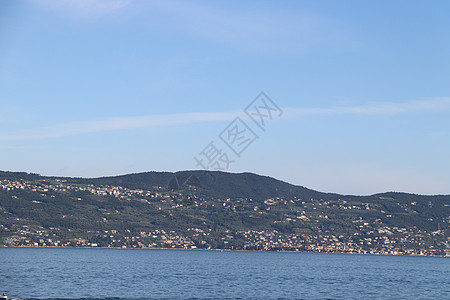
(368, 237)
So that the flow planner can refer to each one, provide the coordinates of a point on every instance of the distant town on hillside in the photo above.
(215, 210)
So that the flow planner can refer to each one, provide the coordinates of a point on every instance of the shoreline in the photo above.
(229, 250)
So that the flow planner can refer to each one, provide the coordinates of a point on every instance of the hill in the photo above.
(218, 210)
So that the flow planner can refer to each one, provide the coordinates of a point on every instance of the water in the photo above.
(186, 274)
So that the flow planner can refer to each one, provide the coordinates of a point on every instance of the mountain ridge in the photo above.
(166, 176)
(215, 210)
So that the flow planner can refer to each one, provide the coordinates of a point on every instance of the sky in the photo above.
(356, 94)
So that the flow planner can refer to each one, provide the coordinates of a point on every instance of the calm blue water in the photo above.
(186, 274)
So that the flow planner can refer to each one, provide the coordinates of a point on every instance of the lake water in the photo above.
(36, 273)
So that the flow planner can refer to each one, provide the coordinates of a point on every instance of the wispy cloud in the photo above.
(112, 124)
(251, 28)
(84, 8)
(154, 121)
(376, 108)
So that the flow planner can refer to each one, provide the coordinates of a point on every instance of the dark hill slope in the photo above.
(214, 210)
(219, 184)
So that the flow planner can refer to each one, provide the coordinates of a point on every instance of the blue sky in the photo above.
(94, 87)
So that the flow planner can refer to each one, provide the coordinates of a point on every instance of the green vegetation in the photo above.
(201, 209)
